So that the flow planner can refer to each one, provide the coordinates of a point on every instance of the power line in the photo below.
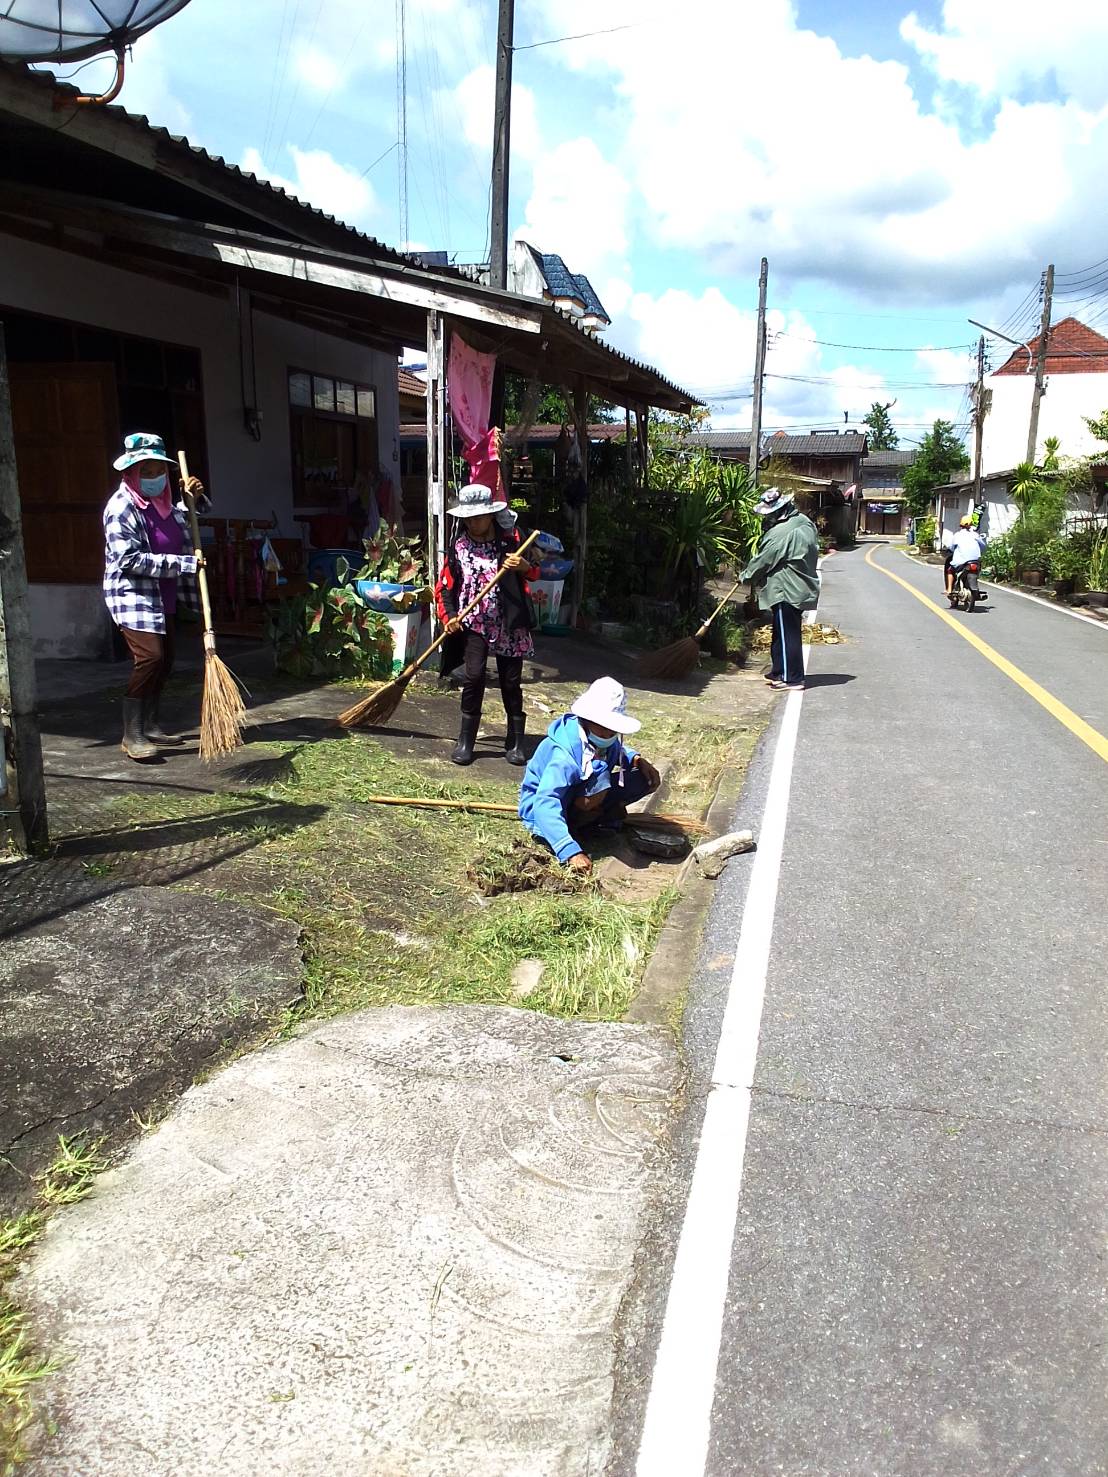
(823, 379)
(583, 36)
(871, 348)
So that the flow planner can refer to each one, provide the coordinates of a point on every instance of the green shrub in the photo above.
(330, 632)
(996, 561)
(925, 534)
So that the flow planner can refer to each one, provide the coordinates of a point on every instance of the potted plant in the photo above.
(392, 578)
(1067, 564)
(330, 632)
(1096, 575)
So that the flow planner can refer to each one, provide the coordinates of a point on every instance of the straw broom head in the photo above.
(222, 711)
(676, 660)
(379, 706)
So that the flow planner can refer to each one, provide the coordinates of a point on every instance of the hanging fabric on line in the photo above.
(469, 390)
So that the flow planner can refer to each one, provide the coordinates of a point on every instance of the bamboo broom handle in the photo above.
(201, 572)
(717, 610)
(415, 665)
(648, 819)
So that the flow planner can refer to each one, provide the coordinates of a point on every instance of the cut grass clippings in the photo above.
(389, 899)
(68, 1179)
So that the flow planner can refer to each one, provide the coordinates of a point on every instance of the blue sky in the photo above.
(902, 167)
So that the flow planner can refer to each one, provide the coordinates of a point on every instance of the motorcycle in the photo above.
(966, 590)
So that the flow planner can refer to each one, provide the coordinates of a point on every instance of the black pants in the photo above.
(509, 669)
(786, 655)
(153, 658)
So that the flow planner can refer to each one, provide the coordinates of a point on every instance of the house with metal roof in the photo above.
(883, 504)
(1075, 386)
(146, 284)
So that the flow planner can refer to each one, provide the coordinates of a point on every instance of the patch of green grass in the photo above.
(68, 1179)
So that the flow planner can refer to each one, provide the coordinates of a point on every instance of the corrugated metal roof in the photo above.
(360, 243)
(851, 443)
(410, 384)
(356, 242)
(721, 440)
(889, 459)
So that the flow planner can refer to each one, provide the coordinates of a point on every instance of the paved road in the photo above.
(915, 1279)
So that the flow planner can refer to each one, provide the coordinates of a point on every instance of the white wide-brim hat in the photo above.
(142, 446)
(605, 702)
(476, 500)
(772, 500)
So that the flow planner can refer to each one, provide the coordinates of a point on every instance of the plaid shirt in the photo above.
(133, 574)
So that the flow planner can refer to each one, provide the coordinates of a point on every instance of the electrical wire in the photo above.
(583, 36)
(867, 348)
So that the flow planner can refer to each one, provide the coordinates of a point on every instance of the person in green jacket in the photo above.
(784, 570)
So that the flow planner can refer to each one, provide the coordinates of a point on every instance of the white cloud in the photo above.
(997, 46)
(146, 86)
(473, 100)
(578, 208)
(318, 69)
(831, 165)
(320, 180)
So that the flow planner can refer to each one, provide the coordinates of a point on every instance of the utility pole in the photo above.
(22, 788)
(1040, 363)
(978, 420)
(759, 373)
(501, 138)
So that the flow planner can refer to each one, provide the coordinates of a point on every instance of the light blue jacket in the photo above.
(556, 776)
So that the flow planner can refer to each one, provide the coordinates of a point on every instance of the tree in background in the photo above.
(882, 437)
(941, 455)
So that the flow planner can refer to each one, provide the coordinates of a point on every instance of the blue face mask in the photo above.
(603, 744)
(152, 486)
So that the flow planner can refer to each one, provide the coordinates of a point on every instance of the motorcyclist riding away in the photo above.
(966, 546)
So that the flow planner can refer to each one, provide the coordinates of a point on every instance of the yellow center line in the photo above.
(1066, 716)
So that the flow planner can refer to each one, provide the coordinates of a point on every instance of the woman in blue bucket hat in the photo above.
(149, 566)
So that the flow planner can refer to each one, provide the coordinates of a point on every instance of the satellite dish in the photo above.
(72, 30)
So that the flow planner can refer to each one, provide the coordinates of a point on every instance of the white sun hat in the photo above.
(475, 500)
(605, 702)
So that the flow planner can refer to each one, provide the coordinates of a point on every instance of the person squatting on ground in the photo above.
(785, 572)
(500, 626)
(149, 565)
(582, 776)
(966, 546)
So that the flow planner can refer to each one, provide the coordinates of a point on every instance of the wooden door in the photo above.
(66, 436)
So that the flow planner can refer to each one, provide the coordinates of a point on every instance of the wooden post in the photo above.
(22, 786)
(501, 142)
(1040, 363)
(581, 514)
(436, 444)
(759, 374)
(629, 460)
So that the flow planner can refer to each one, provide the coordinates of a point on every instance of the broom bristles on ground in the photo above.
(222, 711)
(676, 660)
(378, 707)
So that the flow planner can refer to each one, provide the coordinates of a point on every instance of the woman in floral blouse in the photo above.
(501, 624)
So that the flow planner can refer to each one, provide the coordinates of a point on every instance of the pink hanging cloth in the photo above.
(469, 387)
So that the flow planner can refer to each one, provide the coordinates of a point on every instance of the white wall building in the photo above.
(1076, 385)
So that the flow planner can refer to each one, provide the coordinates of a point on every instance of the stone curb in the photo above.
(671, 966)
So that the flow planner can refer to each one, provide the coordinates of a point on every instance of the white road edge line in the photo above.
(1090, 620)
(677, 1426)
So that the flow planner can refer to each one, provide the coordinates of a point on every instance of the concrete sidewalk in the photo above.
(394, 1245)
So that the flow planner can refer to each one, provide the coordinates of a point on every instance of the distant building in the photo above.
(1076, 385)
(884, 505)
(543, 274)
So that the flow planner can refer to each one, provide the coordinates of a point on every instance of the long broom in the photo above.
(680, 657)
(649, 820)
(222, 710)
(383, 701)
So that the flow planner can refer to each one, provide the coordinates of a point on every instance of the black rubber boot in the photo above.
(513, 744)
(135, 743)
(151, 723)
(462, 752)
